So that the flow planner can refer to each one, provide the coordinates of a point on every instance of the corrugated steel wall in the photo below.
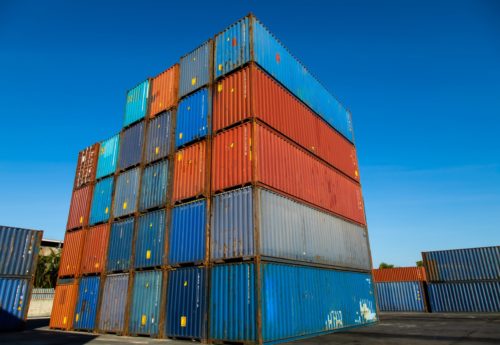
(159, 137)
(405, 296)
(63, 307)
(190, 172)
(193, 117)
(188, 233)
(80, 207)
(108, 156)
(86, 166)
(137, 101)
(399, 274)
(131, 146)
(114, 302)
(186, 303)
(154, 186)
(126, 192)
(145, 309)
(72, 253)
(164, 90)
(150, 241)
(120, 245)
(18, 250)
(14, 302)
(95, 249)
(195, 69)
(101, 201)
(465, 297)
(86, 305)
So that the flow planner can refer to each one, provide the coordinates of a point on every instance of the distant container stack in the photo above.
(232, 189)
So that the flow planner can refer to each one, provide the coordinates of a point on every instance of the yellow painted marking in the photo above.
(125, 205)
(96, 265)
(220, 67)
(193, 81)
(219, 87)
(183, 321)
(180, 135)
(81, 219)
(157, 149)
(179, 157)
(356, 173)
(231, 145)
(77, 317)
(65, 320)
(185, 283)
(106, 210)
(148, 254)
(143, 320)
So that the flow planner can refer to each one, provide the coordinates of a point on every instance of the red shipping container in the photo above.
(164, 89)
(95, 249)
(250, 92)
(399, 274)
(63, 307)
(190, 170)
(86, 166)
(72, 253)
(282, 166)
(80, 207)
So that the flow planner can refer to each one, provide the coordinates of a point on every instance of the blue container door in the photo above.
(192, 118)
(114, 301)
(13, 302)
(195, 69)
(232, 47)
(127, 187)
(86, 306)
(120, 245)
(101, 201)
(186, 303)
(188, 233)
(137, 101)
(150, 241)
(108, 156)
(159, 134)
(400, 296)
(465, 297)
(154, 186)
(131, 146)
(145, 308)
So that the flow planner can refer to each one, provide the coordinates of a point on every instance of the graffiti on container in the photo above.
(366, 312)
(334, 320)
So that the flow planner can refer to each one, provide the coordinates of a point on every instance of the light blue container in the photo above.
(120, 245)
(150, 241)
(195, 69)
(145, 308)
(108, 156)
(137, 101)
(401, 296)
(465, 297)
(154, 186)
(14, 302)
(193, 118)
(126, 193)
(86, 306)
(114, 302)
(101, 201)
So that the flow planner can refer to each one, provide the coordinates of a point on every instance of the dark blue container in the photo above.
(114, 302)
(145, 308)
(120, 245)
(193, 117)
(101, 201)
(126, 193)
(86, 305)
(131, 143)
(159, 137)
(195, 69)
(150, 241)
(14, 302)
(188, 233)
(401, 296)
(19, 250)
(186, 303)
(478, 297)
(154, 186)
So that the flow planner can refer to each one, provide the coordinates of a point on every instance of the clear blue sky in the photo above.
(422, 79)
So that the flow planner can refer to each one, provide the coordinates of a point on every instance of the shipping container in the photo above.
(330, 300)
(195, 69)
(120, 245)
(72, 253)
(86, 305)
(159, 137)
(86, 166)
(287, 229)
(114, 302)
(18, 250)
(402, 296)
(186, 303)
(95, 249)
(101, 201)
(251, 93)
(164, 89)
(478, 297)
(150, 241)
(190, 170)
(63, 307)
(463, 264)
(154, 186)
(131, 146)
(145, 308)
(137, 102)
(80, 207)
(126, 193)
(108, 156)
(399, 274)
(14, 302)
(248, 40)
(284, 167)
(193, 117)
(188, 233)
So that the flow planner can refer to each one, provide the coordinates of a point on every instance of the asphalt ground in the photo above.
(393, 328)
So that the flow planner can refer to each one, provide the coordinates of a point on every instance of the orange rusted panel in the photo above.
(80, 207)
(399, 274)
(63, 307)
(95, 249)
(164, 89)
(72, 253)
(190, 170)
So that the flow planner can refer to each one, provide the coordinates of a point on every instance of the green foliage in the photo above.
(46, 270)
(385, 265)
(420, 263)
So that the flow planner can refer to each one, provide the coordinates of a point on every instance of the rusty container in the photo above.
(80, 207)
(399, 274)
(63, 307)
(190, 170)
(164, 88)
(86, 166)
(72, 253)
(95, 249)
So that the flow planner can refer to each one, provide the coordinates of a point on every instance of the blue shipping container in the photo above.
(195, 69)
(120, 245)
(108, 156)
(188, 233)
(478, 297)
(137, 101)
(18, 250)
(114, 302)
(86, 305)
(131, 146)
(127, 188)
(14, 302)
(150, 242)
(101, 201)
(159, 137)
(154, 186)
(232, 49)
(401, 296)
(145, 308)
(329, 300)
(463, 264)
(186, 303)
(192, 117)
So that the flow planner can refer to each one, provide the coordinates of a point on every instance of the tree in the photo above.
(420, 263)
(46, 269)
(385, 265)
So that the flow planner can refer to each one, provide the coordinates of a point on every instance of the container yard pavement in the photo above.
(394, 328)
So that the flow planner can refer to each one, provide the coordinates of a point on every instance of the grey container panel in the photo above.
(18, 250)
(114, 302)
(154, 186)
(127, 188)
(195, 69)
(159, 134)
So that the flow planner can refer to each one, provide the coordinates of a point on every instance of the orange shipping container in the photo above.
(95, 249)
(72, 253)
(399, 274)
(86, 166)
(250, 92)
(164, 88)
(284, 167)
(80, 207)
(190, 172)
(63, 307)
